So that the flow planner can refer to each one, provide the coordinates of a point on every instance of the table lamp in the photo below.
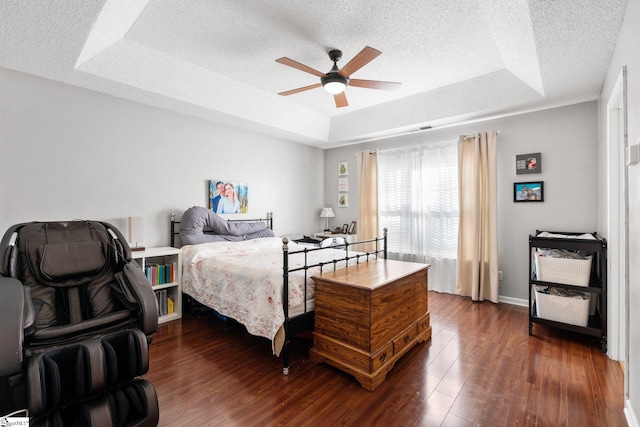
(136, 233)
(326, 213)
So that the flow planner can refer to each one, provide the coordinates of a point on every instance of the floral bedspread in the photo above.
(244, 280)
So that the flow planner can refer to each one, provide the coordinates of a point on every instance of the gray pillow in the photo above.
(196, 220)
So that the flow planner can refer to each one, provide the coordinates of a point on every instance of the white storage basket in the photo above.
(568, 271)
(574, 311)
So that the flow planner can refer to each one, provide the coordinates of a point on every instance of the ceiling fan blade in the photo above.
(374, 84)
(365, 56)
(300, 89)
(299, 66)
(341, 100)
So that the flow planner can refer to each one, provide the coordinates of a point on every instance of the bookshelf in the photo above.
(163, 268)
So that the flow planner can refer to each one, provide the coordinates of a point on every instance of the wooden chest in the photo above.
(368, 315)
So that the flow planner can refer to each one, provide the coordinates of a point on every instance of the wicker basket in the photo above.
(574, 311)
(568, 271)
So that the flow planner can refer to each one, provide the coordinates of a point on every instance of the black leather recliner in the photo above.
(76, 319)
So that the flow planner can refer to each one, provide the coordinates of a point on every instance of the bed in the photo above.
(264, 283)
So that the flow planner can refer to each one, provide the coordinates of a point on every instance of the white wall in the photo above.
(626, 53)
(69, 153)
(567, 139)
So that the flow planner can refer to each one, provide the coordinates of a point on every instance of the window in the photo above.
(418, 204)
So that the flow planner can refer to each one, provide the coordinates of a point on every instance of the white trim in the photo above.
(513, 301)
(613, 203)
(617, 309)
(452, 123)
(501, 299)
(616, 220)
(630, 415)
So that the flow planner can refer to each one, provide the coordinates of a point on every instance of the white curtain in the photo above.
(418, 204)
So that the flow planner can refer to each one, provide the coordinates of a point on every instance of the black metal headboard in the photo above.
(173, 232)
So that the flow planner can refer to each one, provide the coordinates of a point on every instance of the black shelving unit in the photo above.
(597, 324)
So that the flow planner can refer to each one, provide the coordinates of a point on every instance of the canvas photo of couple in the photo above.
(226, 197)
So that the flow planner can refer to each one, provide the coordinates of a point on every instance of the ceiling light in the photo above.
(334, 83)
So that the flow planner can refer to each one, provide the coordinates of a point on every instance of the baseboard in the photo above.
(630, 414)
(514, 301)
(502, 299)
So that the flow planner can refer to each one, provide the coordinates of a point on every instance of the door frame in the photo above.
(617, 224)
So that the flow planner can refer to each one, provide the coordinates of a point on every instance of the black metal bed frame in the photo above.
(304, 322)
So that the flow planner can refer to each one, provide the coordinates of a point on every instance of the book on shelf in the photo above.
(160, 274)
(163, 302)
(170, 305)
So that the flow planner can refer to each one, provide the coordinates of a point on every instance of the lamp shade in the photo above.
(136, 232)
(327, 213)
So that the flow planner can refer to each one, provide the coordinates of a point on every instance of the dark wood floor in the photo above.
(481, 368)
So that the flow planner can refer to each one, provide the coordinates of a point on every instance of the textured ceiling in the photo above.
(456, 60)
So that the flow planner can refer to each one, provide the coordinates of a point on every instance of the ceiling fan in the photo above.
(336, 80)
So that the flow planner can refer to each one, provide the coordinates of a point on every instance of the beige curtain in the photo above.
(478, 234)
(367, 227)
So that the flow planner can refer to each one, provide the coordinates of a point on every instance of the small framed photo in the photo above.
(532, 191)
(343, 184)
(343, 168)
(352, 228)
(528, 163)
(345, 228)
(343, 200)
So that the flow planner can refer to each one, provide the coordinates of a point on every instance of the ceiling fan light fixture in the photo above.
(334, 83)
(336, 80)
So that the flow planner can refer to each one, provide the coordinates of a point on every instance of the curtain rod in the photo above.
(464, 136)
(472, 135)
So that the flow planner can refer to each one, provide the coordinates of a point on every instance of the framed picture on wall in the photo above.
(343, 200)
(528, 163)
(343, 168)
(228, 197)
(343, 184)
(532, 191)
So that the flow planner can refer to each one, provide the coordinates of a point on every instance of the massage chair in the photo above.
(76, 320)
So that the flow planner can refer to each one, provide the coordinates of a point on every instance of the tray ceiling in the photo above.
(456, 61)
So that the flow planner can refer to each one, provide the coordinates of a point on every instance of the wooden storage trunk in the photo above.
(369, 315)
